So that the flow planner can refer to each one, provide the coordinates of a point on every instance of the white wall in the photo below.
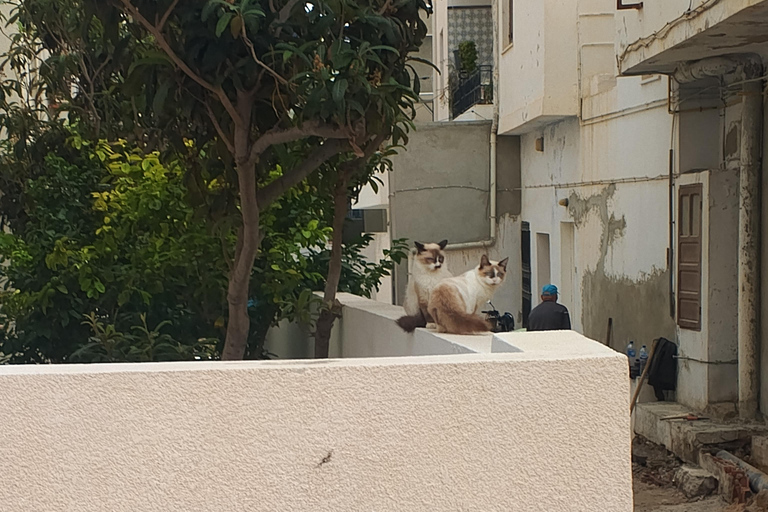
(610, 161)
(473, 432)
(538, 72)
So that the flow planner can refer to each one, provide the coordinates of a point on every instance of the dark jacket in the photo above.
(662, 374)
(549, 316)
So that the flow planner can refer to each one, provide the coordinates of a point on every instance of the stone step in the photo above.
(760, 452)
(684, 438)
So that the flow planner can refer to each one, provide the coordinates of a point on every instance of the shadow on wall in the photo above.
(639, 308)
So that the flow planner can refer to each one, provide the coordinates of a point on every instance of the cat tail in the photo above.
(409, 323)
(447, 309)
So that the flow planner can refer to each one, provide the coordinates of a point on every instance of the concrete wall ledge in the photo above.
(470, 432)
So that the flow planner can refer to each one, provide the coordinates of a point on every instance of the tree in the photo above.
(266, 74)
(247, 80)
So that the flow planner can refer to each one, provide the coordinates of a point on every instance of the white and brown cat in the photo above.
(427, 271)
(455, 303)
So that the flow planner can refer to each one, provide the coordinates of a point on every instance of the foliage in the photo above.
(104, 230)
(108, 345)
(360, 276)
(268, 91)
(468, 56)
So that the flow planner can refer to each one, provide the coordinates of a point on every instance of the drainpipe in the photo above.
(746, 69)
(484, 244)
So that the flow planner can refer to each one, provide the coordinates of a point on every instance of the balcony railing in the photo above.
(469, 89)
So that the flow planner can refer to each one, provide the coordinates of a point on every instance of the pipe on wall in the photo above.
(747, 70)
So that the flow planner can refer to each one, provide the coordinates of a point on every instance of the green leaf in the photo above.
(223, 22)
(160, 97)
(62, 289)
(339, 88)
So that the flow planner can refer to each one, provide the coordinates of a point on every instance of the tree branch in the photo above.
(283, 135)
(219, 130)
(285, 12)
(289, 179)
(163, 43)
(166, 15)
(271, 71)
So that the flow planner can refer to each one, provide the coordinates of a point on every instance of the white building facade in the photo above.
(639, 128)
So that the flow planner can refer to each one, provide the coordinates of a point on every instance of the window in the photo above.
(689, 257)
(510, 22)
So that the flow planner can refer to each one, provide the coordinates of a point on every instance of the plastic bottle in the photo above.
(631, 352)
(643, 359)
(631, 357)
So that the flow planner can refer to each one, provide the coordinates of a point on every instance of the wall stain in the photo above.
(639, 307)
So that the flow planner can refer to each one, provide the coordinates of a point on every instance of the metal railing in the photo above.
(469, 89)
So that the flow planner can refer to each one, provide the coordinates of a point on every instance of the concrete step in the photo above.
(760, 452)
(686, 439)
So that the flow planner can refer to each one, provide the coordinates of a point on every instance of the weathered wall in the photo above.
(466, 432)
(611, 168)
(439, 186)
(439, 190)
(764, 271)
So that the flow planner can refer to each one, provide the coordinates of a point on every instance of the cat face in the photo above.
(431, 256)
(492, 273)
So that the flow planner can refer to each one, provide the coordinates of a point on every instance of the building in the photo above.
(624, 145)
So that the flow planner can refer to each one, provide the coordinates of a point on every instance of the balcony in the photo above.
(470, 89)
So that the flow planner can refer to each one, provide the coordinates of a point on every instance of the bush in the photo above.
(104, 231)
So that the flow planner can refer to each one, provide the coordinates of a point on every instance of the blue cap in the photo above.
(550, 290)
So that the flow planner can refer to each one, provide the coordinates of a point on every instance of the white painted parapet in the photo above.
(545, 427)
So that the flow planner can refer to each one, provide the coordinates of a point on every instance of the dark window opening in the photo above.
(525, 245)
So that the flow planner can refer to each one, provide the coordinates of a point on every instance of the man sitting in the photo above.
(549, 315)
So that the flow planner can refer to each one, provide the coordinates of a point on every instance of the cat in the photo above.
(428, 270)
(455, 302)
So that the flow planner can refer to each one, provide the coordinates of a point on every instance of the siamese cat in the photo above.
(455, 303)
(428, 270)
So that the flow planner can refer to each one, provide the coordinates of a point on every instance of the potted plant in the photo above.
(468, 56)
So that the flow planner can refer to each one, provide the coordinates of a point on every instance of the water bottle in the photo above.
(643, 359)
(631, 356)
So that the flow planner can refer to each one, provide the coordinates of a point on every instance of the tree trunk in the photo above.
(329, 313)
(239, 323)
(248, 241)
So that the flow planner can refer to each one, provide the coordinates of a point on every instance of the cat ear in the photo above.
(419, 246)
(484, 261)
(442, 244)
(503, 263)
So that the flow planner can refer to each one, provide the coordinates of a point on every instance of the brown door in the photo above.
(689, 256)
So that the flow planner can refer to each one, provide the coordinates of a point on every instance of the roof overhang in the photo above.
(711, 33)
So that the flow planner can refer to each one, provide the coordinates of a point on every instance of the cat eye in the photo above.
(430, 260)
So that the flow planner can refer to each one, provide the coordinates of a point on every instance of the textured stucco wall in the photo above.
(496, 432)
